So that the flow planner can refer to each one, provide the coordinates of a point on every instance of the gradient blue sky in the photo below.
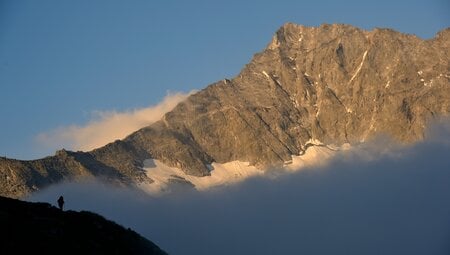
(62, 60)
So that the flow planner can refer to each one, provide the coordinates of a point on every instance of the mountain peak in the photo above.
(291, 34)
(334, 84)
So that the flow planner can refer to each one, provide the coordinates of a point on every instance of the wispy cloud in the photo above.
(107, 126)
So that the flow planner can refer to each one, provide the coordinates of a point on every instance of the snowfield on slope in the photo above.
(230, 172)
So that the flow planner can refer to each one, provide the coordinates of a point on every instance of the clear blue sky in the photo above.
(61, 60)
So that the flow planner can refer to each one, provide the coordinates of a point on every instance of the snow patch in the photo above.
(428, 84)
(314, 141)
(264, 72)
(278, 82)
(359, 67)
(314, 156)
(221, 174)
(231, 172)
(388, 84)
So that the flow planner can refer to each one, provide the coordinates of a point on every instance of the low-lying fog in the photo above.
(395, 201)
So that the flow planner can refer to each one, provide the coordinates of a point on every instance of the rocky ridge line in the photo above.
(332, 84)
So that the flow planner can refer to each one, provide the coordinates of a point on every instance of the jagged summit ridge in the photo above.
(334, 84)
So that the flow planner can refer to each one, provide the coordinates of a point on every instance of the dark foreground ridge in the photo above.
(332, 84)
(39, 228)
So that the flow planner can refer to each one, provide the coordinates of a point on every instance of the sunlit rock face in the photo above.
(312, 86)
(332, 84)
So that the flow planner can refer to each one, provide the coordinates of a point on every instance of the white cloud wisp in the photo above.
(108, 126)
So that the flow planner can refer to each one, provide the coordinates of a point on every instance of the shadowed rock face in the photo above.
(39, 228)
(334, 84)
(19, 178)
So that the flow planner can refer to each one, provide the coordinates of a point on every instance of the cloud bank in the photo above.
(106, 127)
(397, 202)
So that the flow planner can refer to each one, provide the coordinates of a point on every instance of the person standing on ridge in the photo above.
(61, 202)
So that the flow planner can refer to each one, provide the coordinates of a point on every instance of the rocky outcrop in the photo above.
(39, 228)
(19, 177)
(331, 84)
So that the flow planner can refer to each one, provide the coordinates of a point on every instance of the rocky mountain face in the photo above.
(331, 84)
(19, 177)
(39, 228)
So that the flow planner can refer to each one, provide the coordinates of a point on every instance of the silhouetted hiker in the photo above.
(61, 202)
